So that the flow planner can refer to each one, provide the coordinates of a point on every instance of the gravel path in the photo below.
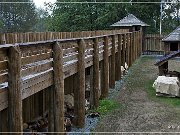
(139, 112)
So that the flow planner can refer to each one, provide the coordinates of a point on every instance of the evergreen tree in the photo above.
(17, 16)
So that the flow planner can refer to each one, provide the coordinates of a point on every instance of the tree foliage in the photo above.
(17, 17)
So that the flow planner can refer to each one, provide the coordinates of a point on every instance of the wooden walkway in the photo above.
(35, 76)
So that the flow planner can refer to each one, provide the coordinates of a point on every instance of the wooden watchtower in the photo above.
(132, 23)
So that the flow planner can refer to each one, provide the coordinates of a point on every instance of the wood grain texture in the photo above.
(14, 90)
(58, 87)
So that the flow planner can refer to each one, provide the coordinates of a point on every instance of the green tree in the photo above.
(17, 17)
(42, 20)
(171, 16)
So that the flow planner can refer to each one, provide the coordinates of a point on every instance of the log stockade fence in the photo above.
(35, 76)
(153, 44)
(11, 38)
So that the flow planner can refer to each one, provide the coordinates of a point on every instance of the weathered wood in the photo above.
(70, 50)
(79, 97)
(104, 92)
(96, 74)
(35, 58)
(3, 65)
(113, 62)
(41, 67)
(129, 44)
(123, 50)
(58, 87)
(70, 57)
(51, 113)
(14, 87)
(119, 57)
(127, 49)
(3, 77)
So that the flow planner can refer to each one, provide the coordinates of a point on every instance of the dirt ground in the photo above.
(138, 111)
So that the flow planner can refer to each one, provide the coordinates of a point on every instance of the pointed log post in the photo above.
(104, 92)
(96, 74)
(119, 57)
(14, 91)
(58, 87)
(113, 62)
(79, 93)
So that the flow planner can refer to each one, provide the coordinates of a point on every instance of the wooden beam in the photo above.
(96, 74)
(14, 91)
(123, 50)
(127, 49)
(119, 57)
(79, 93)
(113, 62)
(51, 112)
(58, 87)
(104, 92)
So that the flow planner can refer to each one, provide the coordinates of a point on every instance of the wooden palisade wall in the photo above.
(35, 76)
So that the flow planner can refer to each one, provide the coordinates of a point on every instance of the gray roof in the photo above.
(130, 20)
(173, 36)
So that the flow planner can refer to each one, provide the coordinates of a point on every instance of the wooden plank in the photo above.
(14, 91)
(36, 87)
(3, 77)
(79, 93)
(35, 58)
(70, 57)
(104, 92)
(34, 47)
(3, 52)
(58, 87)
(95, 95)
(3, 65)
(37, 68)
(31, 80)
(70, 50)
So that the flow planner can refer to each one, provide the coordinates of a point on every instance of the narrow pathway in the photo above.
(140, 110)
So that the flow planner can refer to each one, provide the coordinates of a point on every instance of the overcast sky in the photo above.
(40, 3)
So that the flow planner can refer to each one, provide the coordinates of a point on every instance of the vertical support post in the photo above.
(128, 50)
(14, 93)
(113, 62)
(130, 53)
(51, 112)
(79, 94)
(134, 46)
(123, 50)
(96, 74)
(58, 87)
(104, 92)
(119, 57)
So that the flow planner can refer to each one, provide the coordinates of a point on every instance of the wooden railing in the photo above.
(58, 66)
(154, 44)
(11, 38)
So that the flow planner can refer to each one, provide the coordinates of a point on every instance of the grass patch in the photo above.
(106, 106)
(175, 102)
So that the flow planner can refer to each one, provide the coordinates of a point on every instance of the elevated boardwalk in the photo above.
(35, 76)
